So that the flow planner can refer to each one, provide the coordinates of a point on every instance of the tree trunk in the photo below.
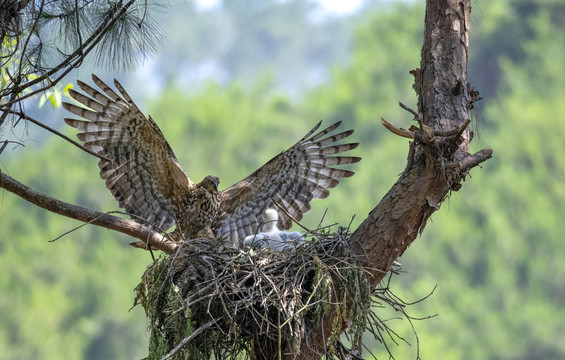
(439, 159)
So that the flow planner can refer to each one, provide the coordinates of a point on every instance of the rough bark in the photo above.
(440, 160)
(144, 233)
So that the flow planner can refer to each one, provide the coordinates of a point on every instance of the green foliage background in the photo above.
(495, 250)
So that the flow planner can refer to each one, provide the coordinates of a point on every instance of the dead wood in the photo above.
(439, 159)
(139, 231)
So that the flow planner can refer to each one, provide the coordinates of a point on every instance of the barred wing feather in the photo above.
(145, 177)
(143, 174)
(291, 179)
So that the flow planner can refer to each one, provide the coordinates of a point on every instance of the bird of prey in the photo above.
(143, 174)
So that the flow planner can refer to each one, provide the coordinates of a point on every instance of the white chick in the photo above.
(270, 235)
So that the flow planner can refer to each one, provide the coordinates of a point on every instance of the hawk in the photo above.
(146, 179)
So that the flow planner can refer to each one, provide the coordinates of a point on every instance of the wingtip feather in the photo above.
(73, 93)
(96, 79)
(82, 85)
(347, 173)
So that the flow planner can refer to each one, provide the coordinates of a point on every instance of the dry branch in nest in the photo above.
(208, 301)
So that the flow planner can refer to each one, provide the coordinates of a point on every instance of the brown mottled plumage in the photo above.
(204, 202)
(145, 177)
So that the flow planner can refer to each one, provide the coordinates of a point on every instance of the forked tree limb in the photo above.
(142, 232)
(443, 105)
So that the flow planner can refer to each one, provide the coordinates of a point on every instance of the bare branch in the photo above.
(473, 160)
(50, 129)
(80, 213)
(456, 132)
(410, 110)
(6, 142)
(396, 130)
(443, 122)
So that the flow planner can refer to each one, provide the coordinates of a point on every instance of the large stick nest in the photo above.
(208, 301)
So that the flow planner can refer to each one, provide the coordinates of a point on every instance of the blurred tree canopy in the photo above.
(494, 251)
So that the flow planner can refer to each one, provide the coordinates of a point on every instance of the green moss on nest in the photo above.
(251, 303)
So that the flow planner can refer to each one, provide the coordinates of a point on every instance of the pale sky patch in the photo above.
(338, 7)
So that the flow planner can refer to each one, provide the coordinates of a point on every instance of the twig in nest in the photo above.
(255, 297)
(292, 218)
(349, 225)
(194, 334)
(259, 300)
(322, 219)
(344, 353)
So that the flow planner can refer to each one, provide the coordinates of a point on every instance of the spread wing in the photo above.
(143, 174)
(291, 179)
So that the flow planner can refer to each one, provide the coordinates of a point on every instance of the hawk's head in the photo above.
(210, 183)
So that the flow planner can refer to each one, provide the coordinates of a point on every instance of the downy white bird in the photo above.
(271, 237)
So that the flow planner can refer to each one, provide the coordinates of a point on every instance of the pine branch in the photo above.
(118, 38)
